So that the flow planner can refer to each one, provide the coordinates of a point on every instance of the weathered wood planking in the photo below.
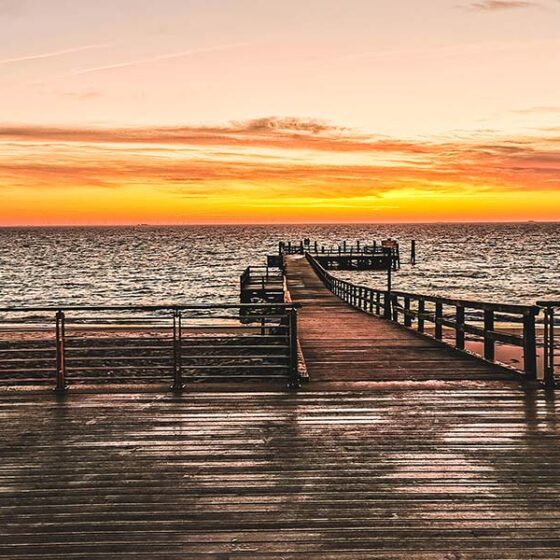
(460, 473)
(342, 344)
(397, 449)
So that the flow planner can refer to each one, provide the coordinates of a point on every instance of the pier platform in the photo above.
(399, 448)
(464, 470)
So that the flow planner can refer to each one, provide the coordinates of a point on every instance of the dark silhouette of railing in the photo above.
(550, 308)
(409, 308)
(148, 344)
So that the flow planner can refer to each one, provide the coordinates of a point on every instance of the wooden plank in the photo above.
(466, 470)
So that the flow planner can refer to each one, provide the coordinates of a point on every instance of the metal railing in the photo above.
(176, 344)
(550, 346)
(409, 308)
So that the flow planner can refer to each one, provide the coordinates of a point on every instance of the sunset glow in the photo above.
(243, 112)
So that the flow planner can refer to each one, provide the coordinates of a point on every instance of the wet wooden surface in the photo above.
(459, 473)
(398, 449)
(343, 344)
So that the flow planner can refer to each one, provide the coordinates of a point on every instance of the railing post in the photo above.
(60, 352)
(438, 329)
(549, 346)
(489, 346)
(294, 377)
(177, 348)
(395, 305)
(407, 317)
(460, 327)
(530, 346)
(377, 303)
(387, 310)
(421, 311)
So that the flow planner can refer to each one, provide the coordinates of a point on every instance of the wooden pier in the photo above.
(345, 346)
(399, 448)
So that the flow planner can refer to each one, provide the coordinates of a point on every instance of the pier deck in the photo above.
(398, 448)
(462, 472)
(344, 346)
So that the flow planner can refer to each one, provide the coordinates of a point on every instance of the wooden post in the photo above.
(377, 303)
(395, 304)
(530, 346)
(438, 316)
(177, 335)
(294, 377)
(460, 328)
(413, 252)
(489, 347)
(60, 352)
(421, 310)
(407, 317)
(387, 310)
(549, 347)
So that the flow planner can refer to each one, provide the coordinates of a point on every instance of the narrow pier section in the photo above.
(346, 346)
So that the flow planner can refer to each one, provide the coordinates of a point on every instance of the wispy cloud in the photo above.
(536, 110)
(495, 5)
(53, 54)
(159, 58)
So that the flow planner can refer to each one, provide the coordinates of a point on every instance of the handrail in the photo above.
(389, 305)
(481, 305)
(162, 307)
(550, 307)
(58, 344)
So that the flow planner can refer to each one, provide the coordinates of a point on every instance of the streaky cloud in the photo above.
(159, 58)
(496, 5)
(54, 54)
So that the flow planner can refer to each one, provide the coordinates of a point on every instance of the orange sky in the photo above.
(438, 111)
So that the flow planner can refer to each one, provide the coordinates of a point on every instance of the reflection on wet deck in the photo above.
(456, 472)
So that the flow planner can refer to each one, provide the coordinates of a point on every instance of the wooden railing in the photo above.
(550, 316)
(177, 344)
(409, 308)
(376, 302)
(416, 310)
(260, 276)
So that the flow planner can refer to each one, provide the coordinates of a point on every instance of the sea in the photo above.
(153, 265)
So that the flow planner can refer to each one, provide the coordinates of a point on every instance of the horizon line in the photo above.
(327, 223)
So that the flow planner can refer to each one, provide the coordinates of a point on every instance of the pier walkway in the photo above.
(348, 348)
(398, 449)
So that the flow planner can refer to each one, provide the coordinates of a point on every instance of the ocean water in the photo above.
(515, 263)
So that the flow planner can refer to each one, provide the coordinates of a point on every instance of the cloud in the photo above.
(537, 110)
(496, 5)
(274, 156)
(82, 95)
(158, 58)
(271, 132)
(53, 54)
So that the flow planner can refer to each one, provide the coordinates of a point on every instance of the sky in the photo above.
(254, 111)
